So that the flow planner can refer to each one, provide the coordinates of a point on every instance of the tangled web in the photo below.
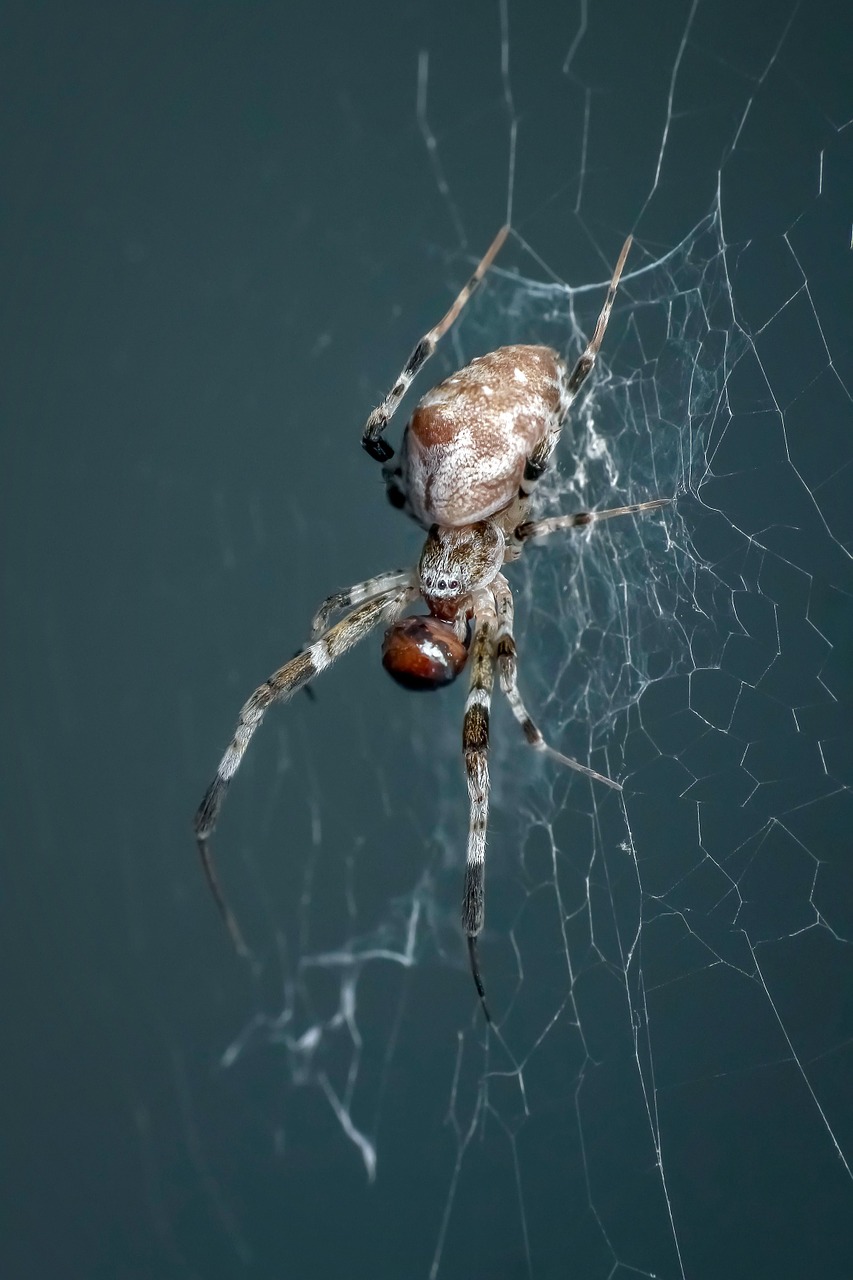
(669, 967)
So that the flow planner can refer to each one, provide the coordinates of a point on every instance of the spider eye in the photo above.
(423, 653)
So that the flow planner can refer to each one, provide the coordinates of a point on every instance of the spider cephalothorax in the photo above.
(471, 456)
(454, 562)
(429, 652)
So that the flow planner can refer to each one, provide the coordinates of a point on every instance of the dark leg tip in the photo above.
(377, 448)
(208, 811)
(204, 853)
(475, 973)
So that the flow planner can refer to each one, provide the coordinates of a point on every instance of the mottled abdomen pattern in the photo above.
(465, 449)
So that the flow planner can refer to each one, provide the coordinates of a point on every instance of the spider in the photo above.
(471, 456)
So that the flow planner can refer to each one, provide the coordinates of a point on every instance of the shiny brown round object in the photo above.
(423, 653)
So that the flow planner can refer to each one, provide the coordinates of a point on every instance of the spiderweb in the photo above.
(669, 967)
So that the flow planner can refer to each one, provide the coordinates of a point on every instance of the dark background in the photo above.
(221, 234)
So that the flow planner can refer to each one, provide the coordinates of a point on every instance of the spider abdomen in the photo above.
(466, 446)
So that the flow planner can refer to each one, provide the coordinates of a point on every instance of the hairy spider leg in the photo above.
(377, 422)
(507, 659)
(280, 686)
(537, 463)
(587, 359)
(356, 594)
(581, 519)
(475, 745)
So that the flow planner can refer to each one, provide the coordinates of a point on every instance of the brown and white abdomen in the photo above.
(466, 445)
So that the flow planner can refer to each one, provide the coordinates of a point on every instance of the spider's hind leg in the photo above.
(371, 438)
(538, 462)
(571, 383)
(395, 490)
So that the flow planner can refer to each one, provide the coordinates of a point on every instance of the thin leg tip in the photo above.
(225, 911)
(475, 973)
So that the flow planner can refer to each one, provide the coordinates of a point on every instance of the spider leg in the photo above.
(580, 519)
(587, 358)
(356, 594)
(475, 745)
(377, 422)
(294, 675)
(537, 463)
(508, 676)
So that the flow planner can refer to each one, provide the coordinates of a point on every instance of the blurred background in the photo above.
(223, 228)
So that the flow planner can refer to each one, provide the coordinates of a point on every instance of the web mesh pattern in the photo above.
(678, 952)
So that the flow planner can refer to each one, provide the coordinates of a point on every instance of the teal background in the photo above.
(221, 234)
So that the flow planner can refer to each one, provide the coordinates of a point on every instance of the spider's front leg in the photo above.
(475, 745)
(508, 675)
(357, 594)
(282, 684)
